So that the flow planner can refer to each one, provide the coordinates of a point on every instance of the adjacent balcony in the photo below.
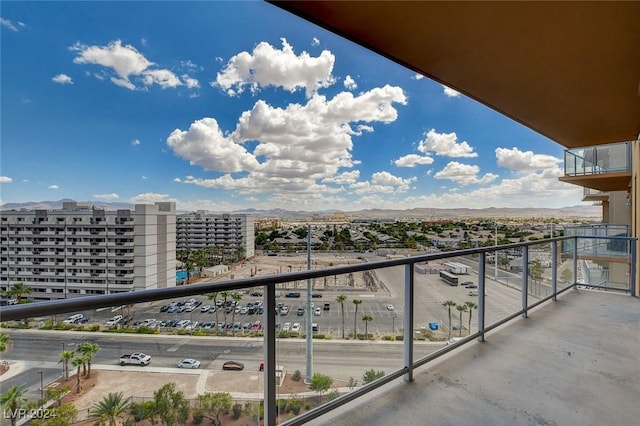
(605, 167)
(527, 346)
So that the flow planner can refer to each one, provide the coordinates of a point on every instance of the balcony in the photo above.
(538, 350)
(605, 168)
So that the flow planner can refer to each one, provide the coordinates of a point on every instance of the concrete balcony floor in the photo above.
(572, 362)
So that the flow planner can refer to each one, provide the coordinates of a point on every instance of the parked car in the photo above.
(316, 295)
(295, 327)
(317, 312)
(113, 321)
(390, 308)
(292, 294)
(286, 326)
(473, 292)
(300, 311)
(233, 365)
(188, 363)
(205, 308)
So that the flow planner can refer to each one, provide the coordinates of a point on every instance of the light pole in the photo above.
(393, 323)
(63, 362)
(41, 373)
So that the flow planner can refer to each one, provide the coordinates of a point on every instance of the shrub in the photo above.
(281, 405)
(198, 417)
(307, 405)
(371, 375)
(296, 376)
(94, 327)
(333, 394)
(237, 411)
(319, 336)
(388, 337)
(295, 405)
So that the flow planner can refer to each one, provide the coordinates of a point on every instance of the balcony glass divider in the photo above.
(408, 320)
(525, 279)
(481, 292)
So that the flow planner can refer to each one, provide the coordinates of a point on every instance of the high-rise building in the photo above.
(82, 250)
(233, 234)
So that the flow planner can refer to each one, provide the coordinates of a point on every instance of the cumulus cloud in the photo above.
(449, 92)
(135, 142)
(412, 160)
(344, 178)
(62, 79)
(10, 25)
(5, 179)
(129, 65)
(268, 66)
(350, 83)
(53, 187)
(514, 159)
(108, 197)
(150, 198)
(383, 182)
(445, 144)
(464, 174)
(300, 148)
(418, 76)
(315, 41)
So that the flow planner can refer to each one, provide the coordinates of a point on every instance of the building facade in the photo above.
(81, 250)
(234, 234)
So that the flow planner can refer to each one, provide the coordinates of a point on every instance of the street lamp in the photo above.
(41, 373)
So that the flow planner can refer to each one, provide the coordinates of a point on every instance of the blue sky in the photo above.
(230, 105)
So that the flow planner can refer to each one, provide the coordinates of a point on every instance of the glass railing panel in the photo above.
(598, 159)
(503, 291)
(540, 272)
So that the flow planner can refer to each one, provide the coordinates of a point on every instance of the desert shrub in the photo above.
(295, 405)
(237, 411)
(296, 376)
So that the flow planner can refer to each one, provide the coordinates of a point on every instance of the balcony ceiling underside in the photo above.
(568, 70)
(606, 182)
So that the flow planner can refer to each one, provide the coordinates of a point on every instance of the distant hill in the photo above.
(580, 211)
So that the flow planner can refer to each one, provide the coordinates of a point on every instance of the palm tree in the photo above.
(341, 299)
(449, 304)
(461, 308)
(65, 357)
(356, 302)
(366, 319)
(214, 296)
(225, 295)
(88, 351)
(237, 297)
(18, 290)
(77, 362)
(471, 306)
(12, 400)
(110, 409)
(200, 260)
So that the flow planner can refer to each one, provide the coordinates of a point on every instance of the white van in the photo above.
(473, 292)
(73, 319)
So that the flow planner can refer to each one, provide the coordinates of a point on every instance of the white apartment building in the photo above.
(233, 233)
(81, 250)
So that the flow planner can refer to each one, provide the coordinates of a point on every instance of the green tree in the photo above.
(366, 318)
(470, 306)
(65, 357)
(212, 405)
(371, 375)
(5, 342)
(449, 304)
(200, 260)
(356, 302)
(64, 415)
(461, 309)
(143, 410)
(56, 393)
(536, 270)
(88, 350)
(566, 275)
(320, 383)
(171, 405)
(341, 299)
(111, 408)
(18, 290)
(12, 400)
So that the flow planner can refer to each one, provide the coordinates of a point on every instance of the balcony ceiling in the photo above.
(568, 70)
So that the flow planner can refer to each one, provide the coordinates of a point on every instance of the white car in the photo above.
(390, 308)
(189, 363)
(113, 321)
(205, 308)
(286, 326)
(295, 327)
(317, 312)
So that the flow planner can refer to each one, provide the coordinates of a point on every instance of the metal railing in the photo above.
(598, 159)
(530, 253)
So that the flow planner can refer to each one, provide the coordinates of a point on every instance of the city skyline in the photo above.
(227, 106)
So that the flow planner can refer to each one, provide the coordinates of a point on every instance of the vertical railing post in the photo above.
(554, 270)
(525, 279)
(408, 321)
(632, 270)
(269, 354)
(481, 287)
(575, 260)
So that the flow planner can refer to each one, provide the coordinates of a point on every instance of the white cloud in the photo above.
(8, 24)
(464, 174)
(191, 83)
(135, 142)
(108, 197)
(514, 159)
(150, 198)
(5, 179)
(53, 187)
(144, 177)
(418, 76)
(315, 41)
(344, 178)
(412, 160)
(449, 92)
(297, 147)
(62, 79)
(445, 144)
(350, 83)
(383, 182)
(127, 63)
(267, 66)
